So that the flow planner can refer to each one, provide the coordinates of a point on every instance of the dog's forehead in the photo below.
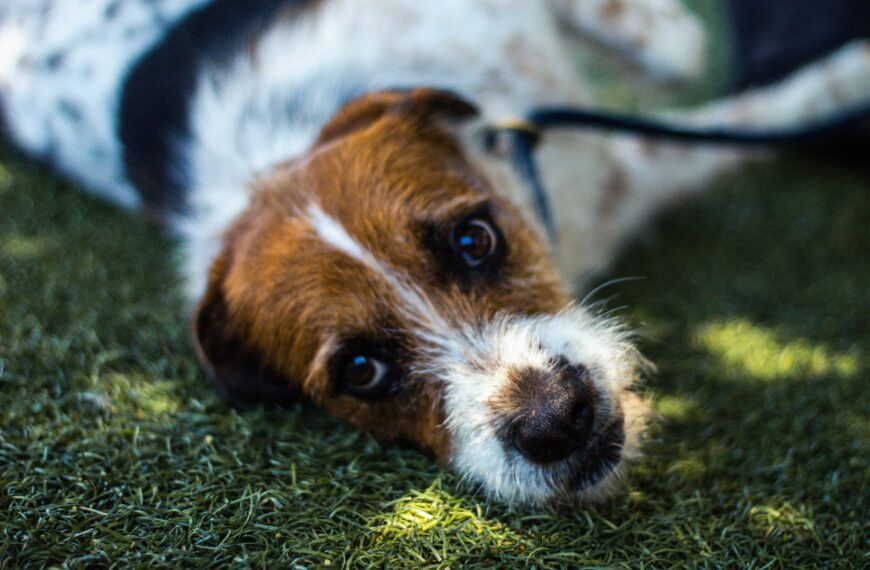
(390, 178)
(365, 196)
(382, 189)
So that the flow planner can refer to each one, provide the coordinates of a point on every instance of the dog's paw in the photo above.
(845, 75)
(661, 36)
(834, 83)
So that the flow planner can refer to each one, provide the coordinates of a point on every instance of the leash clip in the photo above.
(498, 137)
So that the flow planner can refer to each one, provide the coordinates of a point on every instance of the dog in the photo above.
(346, 235)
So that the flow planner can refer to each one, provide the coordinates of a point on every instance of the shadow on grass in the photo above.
(114, 448)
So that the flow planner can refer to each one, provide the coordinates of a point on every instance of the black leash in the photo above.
(525, 134)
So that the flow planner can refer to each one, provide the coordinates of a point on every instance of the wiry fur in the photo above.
(303, 217)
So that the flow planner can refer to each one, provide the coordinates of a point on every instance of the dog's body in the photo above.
(302, 203)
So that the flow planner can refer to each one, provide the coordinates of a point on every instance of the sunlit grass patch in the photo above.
(759, 352)
(5, 178)
(678, 408)
(139, 395)
(433, 526)
(689, 468)
(433, 511)
(21, 247)
(783, 521)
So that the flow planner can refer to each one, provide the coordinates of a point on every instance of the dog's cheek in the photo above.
(416, 420)
(239, 370)
(428, 417)
(248, 343)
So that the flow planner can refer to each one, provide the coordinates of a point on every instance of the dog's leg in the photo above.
(635, 176)
(661, 36)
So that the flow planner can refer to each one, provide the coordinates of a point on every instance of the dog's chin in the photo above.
(600, 458)
(602, 475)
(590, 475)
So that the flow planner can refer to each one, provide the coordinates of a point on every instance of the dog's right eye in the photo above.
(364, 372)
(475, 241)
(364, 375)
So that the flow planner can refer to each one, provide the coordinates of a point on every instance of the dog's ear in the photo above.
(239, 372)
(425, 105)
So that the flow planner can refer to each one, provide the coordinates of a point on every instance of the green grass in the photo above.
(115, 450)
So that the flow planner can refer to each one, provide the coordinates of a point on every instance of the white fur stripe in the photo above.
(332, 233)
(417, 306)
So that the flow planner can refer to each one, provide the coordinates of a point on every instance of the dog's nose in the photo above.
(557, 424)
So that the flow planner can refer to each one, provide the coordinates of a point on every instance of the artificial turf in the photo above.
(115, 450)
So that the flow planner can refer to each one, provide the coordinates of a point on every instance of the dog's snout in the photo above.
(557, 422)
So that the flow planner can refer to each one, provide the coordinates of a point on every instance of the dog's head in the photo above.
(383, 278)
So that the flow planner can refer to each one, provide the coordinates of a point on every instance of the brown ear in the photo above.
(423, 104)
(239, 372)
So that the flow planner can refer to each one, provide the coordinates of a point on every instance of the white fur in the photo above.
(331, 232)
(430, 323)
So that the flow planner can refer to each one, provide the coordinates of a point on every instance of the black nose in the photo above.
(557, 424)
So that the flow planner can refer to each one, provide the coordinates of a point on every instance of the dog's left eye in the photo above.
(364, 375)
(475, 240)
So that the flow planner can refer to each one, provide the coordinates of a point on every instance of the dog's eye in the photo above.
(475, 241)
(364, 375)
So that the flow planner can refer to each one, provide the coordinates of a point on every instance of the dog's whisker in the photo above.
(607, 284)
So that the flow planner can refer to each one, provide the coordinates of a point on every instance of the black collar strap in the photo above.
(524, 134)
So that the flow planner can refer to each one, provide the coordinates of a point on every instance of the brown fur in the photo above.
(280, 300)
(612, 10)
(616, 189)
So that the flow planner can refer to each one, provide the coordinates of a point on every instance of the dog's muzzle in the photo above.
(560, 420)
